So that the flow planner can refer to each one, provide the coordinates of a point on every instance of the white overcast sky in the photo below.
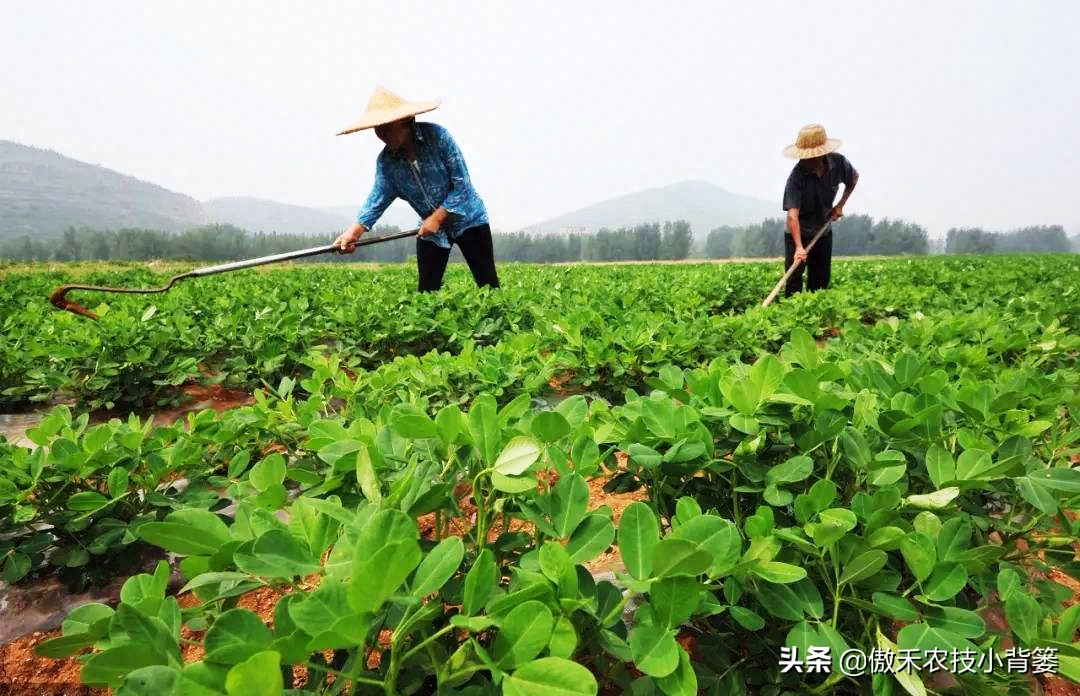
(958, 113)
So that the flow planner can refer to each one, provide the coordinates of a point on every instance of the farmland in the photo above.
(889, 465)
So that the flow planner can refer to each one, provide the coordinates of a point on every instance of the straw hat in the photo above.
(811, 143)
(386, 107)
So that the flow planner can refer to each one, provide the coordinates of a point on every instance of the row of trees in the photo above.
(226, 242)
(854, 235)
(975, 240)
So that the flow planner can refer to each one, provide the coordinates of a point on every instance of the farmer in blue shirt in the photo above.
(808, 199)
(422, 165)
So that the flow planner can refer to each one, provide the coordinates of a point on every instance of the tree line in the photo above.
(975, 240)
(854, 235)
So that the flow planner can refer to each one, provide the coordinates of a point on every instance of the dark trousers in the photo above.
(476, 247)
(818, 265)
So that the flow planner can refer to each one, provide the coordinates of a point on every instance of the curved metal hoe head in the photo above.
(58, 300)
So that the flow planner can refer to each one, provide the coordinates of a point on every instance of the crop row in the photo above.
(604, 328)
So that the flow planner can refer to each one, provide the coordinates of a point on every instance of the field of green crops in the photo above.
(876, 469)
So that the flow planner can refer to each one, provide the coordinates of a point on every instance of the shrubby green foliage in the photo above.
(876, 465)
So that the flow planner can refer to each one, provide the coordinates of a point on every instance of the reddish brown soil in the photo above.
(200, 398)
(23, 672)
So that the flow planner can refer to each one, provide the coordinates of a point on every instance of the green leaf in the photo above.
(268, 472)
(150, 681)
(955, 620)
(673, 557)
(639, 532)
(946, 581)
(855, 448)
(934, 501)
(886, 475)
(518, 455)
(654, 649)
(16, 566)
(86, 501)
(940, 465)
(512, 484)
(66, 645)
(571, 504)
(480, 582)
(681, 682)
(551, 676)
(909, 680)
(117, 482)
(411, 422)
(1043, 488)
(259, 675)
(644, 456)
(235, 636)
(895, 607)
(924, 637)
(953, 539)
(745, 423)
(1024, 614)
(149, 631)
(863, 566)
(550, 426)
(277, 554)
(748, 619)
(178, 538)
(111, 666)
(592, 537)
(377, 576)
(674, 599)
(85, 618)
(780, 573)
(717, 537)
(484, 427)
(334, 451)
(523, 633)
(792, 471)
(783, 602)
(975, 465)
(833, 524)
(366, 477)
(920, 554)
(438, 566)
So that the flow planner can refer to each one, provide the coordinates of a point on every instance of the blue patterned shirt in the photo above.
(438, 178)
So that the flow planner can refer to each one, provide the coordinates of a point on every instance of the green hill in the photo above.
(258, 215)
(42, 193)
(703, 205)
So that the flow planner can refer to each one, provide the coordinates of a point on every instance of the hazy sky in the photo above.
(954, 113)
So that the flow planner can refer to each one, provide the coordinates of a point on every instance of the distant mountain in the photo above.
(258, 215)
(703, 205)
(43, 193)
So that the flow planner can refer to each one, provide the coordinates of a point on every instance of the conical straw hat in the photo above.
(386, 107)
(811, 143)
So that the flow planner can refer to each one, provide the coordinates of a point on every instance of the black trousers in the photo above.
(818, 265)
(476, 246)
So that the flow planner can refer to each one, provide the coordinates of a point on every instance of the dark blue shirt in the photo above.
(438, 178)
(814, 195)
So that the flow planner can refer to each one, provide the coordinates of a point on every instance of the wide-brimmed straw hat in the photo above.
(811, 143)
(387, 107)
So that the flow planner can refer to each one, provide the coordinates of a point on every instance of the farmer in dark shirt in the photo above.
(808, 199)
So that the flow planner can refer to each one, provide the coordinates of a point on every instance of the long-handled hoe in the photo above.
(59, 299)
(794, 267)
